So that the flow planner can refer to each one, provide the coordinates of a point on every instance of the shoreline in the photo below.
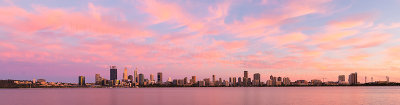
(207, 87)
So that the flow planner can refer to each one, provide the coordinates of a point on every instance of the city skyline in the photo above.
(303, 40)
(256, 79)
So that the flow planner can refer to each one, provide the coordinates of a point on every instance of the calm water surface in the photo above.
(204, 96)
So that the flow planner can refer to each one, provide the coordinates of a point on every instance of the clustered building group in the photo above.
(139, 80)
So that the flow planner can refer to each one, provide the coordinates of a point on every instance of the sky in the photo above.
(301, 39)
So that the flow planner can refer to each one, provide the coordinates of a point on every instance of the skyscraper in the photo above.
(353, 78)
(234, 81)
(159, 78)
(341, 78)
(130, 78)
(286, 81)
(136, 76)
(193, 80)
(245, 80)
(240, 81)
(97, 79)
(213, 78)
(82, 80)
(141, 79)
(113, 73)
(256, 79)
(151, 77)
(125, 74)
(185, 80)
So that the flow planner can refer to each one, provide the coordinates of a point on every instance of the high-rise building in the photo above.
(256, 79)
(341, 78)
(136, 76)
(286, 81)
(273, 80)
(234, 81)
(151, 77)
(207, 81)
(130, 78)
(82, 80)
(185, 80)
(113, 73)
(97, 79)
(353, 78)
(125, 74)
(249, 81)
(34, 80)
(141, 79)
(213, 78)
(159, 78)
(240, 81)
(245, 80)
(193, 80)
(230, 80)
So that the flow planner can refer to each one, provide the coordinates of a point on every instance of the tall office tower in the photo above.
(273, 80)
(159, 78)
(82, 80)
(256, 79)
(213, 78)
(249, 81)
(240, 81)
(219, 81)
(113, 73)
(193, 80)
(341, 78)
(130, 78)
(125, 74)
(97, 79)
(207, 81)
(286, 81)
(230, 80)
(279, 79)
(353, 78)
(185, 80)
(136, 76)
(234, 81)
(141, 79)
(245, 78)
(151, 77)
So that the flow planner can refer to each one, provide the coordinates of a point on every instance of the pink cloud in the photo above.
(286, 39)
(353, 21)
